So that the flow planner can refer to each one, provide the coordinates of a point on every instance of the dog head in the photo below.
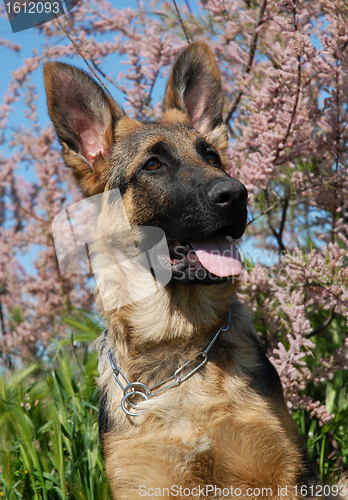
(170, 173)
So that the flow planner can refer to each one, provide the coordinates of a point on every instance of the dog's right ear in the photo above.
(84, 117)
(194, 88)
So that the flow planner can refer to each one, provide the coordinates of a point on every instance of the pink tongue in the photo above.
(218, 256)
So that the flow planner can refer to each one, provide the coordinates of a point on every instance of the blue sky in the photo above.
(30, 40)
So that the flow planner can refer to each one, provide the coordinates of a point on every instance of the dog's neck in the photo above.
(174, 315)
(152, 336)
(177, 325)
(151, 339)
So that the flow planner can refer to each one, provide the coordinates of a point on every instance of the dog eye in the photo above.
(152, 164)
(212, 158)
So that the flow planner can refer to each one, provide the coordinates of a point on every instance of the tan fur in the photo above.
(213, 429)
(227, 425)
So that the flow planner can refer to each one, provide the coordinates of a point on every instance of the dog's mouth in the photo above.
(214, 256)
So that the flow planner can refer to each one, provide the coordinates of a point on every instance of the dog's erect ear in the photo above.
(194, 87)
(84, 117)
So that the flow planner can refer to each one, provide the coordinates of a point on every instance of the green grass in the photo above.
(49, 444)
(328, 444)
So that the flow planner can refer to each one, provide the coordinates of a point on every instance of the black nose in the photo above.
(228, 192)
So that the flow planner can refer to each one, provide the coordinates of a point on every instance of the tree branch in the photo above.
(181, 22)
(96, 67)
(322, 327)
(282, 222)
(297, 98)
(2, 322)
(252, 49)
(278, 234)
(280, 201)
(78, 51)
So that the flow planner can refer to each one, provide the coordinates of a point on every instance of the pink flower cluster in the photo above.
(284, 68)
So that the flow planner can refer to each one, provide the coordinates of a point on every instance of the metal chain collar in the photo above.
(132, 390)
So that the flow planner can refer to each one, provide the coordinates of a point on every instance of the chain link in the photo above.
(138, 390)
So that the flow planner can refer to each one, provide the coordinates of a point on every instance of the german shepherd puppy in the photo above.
(220, 429)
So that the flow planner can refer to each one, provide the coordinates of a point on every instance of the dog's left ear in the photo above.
(194, 87)
(85, 118)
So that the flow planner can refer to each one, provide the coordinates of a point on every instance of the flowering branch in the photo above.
(78, 51)
(251, 54)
